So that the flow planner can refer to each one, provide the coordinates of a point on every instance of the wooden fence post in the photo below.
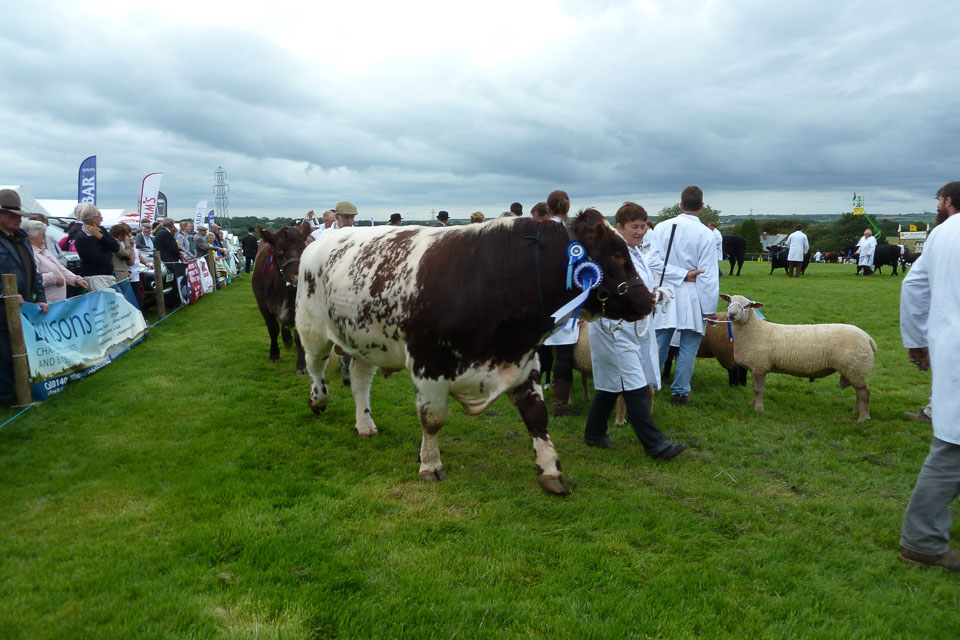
(21, 370)
(212, 265)
(158, 282)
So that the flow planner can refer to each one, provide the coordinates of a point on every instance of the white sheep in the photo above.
(805, 350)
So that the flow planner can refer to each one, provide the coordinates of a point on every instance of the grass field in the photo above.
(186, 491)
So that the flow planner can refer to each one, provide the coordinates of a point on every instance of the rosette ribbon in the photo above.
(575, 253)
(587, 276)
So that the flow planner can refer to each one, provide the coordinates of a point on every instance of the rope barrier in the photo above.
(22, 411)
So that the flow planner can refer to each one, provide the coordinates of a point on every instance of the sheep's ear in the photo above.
(725, 297)
(755, 305)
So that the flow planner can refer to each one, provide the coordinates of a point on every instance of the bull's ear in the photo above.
(266, 235)
(305, 228)
(755, 305)
(725, 297)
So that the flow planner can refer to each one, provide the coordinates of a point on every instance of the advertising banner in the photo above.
(87, 181)
(78, 336)
(196, 282)
(149, 189)
(210, 217)
(199, 212)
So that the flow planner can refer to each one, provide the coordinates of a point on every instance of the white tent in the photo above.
(58, 208)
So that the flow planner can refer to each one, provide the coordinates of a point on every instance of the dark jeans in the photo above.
(563, 365)
(638, 411)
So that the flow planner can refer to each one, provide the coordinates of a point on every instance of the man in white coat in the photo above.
(625, 360)
(866, 246)
(930, 328)
(798, 246)
(691, 272)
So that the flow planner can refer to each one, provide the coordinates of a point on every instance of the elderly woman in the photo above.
(55, 276)
(96, 248)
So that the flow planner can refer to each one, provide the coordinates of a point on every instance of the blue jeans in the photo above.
(683, 370)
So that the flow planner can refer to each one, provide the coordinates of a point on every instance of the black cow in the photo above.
(887, 254)
(778, 259)
(734, 250)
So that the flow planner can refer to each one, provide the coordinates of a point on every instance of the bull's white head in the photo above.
(738, 307)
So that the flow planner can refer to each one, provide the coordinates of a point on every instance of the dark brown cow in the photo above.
(462, 308)
(831, 256)
(275, 274)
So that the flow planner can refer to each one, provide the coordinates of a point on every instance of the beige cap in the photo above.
(345, 209)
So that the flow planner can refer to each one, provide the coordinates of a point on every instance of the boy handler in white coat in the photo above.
(930, 328)
(624, 363)
(692, 275)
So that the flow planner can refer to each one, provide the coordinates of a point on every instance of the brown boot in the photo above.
(949, 560)
(561, 399)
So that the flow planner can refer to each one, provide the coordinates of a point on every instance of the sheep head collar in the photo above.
(738, 307)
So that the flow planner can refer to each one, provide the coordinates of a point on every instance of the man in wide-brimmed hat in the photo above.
(16, 257)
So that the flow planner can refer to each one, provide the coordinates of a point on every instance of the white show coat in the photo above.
(719, 239)
(866, 246)
(799, 245)
(623, 362)
(693, 248)
(566, 334)
(930, 317)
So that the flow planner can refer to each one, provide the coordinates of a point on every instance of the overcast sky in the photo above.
(416, 106)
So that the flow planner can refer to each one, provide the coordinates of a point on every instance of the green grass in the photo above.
(186, 491)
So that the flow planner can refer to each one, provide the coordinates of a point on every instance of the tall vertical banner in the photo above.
(210, 217)
(199, 212)
(161, 205)
(149, 189)
(87, 181)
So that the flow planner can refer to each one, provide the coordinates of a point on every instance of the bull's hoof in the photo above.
(434, 476)
(274, 359)
(316, 410)
(863, 418)
(553, 484)
(301, 372)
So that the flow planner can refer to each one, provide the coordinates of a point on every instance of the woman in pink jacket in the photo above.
(55, 276)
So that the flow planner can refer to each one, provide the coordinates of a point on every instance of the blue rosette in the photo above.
(575, 253)
(587, 275)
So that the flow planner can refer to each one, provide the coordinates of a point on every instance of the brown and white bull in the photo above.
(462, 308)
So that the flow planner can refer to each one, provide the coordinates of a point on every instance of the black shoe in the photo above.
(346, 381)
(603, 442)
(671, 452)
(679, 401)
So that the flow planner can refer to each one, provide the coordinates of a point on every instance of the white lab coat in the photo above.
(693, 248)
(930, 317)
(623, 362)
(799, 245)
(566, 334)
(718, 237)
(866, 246)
